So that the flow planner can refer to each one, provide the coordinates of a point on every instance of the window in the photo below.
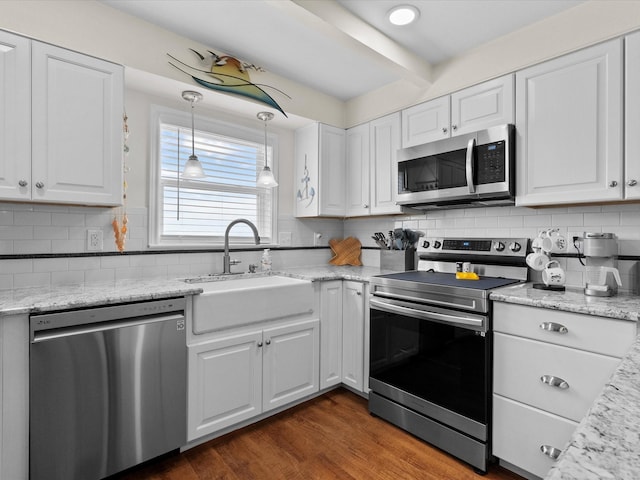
(197, 211)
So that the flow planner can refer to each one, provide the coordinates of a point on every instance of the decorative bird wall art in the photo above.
(225, 73)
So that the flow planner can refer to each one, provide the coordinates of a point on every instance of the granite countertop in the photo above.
(623, 306)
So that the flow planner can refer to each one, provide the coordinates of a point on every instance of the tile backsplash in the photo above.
(53, 229)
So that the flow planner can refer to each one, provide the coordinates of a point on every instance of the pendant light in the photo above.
(266, 178)
(193, 167)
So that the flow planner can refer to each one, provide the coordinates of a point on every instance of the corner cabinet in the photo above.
(239, 374)
(65, 125)
(549, 367)
(569, 128)
(475, 108)
(319, 171)
(632, 117)
(343, 342)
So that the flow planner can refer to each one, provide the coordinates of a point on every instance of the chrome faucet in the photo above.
(226, 261)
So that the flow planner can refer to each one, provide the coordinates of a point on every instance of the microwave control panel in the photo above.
(491, 164)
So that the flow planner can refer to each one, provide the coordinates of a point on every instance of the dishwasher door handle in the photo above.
(46, 335)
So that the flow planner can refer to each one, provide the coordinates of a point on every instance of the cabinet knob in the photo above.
(259, 344)
(40, 185)
(551, 452)
(613, 184)
(365, 206)
(23, 183)
(632, 183)
(554, 381)
(268, 342)
(454, 127)
(358, 293)
(554, 327)
(444, 129)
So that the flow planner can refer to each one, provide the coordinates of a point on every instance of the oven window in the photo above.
(443, 364)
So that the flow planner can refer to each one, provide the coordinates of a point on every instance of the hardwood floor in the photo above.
(330, 437)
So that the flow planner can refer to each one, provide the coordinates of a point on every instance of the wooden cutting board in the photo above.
(346, 252)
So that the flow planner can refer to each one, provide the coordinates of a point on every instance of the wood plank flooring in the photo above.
(330, 437)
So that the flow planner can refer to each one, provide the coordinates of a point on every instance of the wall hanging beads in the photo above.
(120, 219)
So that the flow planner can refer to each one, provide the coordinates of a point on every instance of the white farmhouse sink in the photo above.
(240, 301)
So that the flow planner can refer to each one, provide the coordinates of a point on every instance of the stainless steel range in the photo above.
(431, 342)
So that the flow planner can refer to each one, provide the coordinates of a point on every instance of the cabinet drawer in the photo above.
(607, 336)
(519, 431)
(519, 364)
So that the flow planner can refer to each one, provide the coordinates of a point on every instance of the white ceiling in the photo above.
(344, 48)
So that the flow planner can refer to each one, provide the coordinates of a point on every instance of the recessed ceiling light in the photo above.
(403, 14)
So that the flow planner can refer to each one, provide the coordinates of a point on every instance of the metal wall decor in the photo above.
(227, 74)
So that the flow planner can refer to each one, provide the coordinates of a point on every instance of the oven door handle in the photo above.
(439, 317)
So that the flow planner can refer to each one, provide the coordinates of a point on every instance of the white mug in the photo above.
(553, 276)
(553, 242)
(537, 260)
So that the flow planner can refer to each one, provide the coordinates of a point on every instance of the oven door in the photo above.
(434, 361)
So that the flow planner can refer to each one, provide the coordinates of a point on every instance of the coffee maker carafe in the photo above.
(601, 261)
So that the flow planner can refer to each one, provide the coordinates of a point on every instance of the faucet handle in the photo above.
(252, 268)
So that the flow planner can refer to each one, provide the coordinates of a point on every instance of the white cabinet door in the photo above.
(225, 383)
(291, 363)
(632, 117)
(358, 176)
(426, 122)
(77, 127)
(320, 171)
(15, 117)
(330, 333)
(569, 128)
(519, 432)
(385, 142)
(353, 335)
(482, 106)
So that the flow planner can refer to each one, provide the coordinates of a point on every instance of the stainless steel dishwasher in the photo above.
(107, 388)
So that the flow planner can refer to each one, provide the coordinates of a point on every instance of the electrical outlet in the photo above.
(317, 239)
(94, 240)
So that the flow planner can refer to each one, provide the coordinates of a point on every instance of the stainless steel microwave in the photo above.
(464, 171)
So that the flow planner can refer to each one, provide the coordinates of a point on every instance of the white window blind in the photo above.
(197, 211)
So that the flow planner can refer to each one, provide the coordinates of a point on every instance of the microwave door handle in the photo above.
(471, 146)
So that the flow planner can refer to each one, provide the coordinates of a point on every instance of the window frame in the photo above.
(161, 114)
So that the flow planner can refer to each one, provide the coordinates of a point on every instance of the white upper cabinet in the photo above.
(632, 117)
(475, 108)
(319, 171)
(15, 116)
(384, 138)
(569, 128)
(76, 127)
(358, 171)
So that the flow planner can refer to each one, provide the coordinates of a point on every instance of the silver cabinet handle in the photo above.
(554, 327)
(613, 184)
(268, 342)
(632, 183)
(259, 344)
(551, 452)
(554, 381)
(444, 129)
(23, 183)
(39, 185)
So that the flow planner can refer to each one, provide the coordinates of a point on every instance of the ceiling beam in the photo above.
(330, 18)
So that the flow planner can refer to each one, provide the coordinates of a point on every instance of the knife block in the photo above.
(398, 260)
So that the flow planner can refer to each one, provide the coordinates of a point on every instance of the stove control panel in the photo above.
(505, 247)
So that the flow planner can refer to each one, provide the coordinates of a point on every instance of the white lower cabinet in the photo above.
(548, 368)
(237, 375)
(344, 344)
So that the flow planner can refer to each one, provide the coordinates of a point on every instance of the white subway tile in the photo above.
(537, 221)
(465, 222)
(67, 278)
(487, 222)
(50, 233)
(567, 219)
(68, 246)
(6, 281)
(50, 264)
(26, 247)
(601, 219)
(23, 280)
(105, 275)
(510, 222)
(6, 217)
(16, 232)
(114, 261)
(84, 263)
(178, 271)
(67, 219)
(32, 218)
(6, 247)
(630, 218)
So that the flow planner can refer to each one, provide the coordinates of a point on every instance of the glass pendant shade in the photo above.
(193, 167)
(266, 178)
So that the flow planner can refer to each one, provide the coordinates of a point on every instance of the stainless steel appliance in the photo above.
(107, 388)
(431, 342)
(601, 262)
(468, 170)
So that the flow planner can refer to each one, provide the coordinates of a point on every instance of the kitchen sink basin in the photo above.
(235, 302)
